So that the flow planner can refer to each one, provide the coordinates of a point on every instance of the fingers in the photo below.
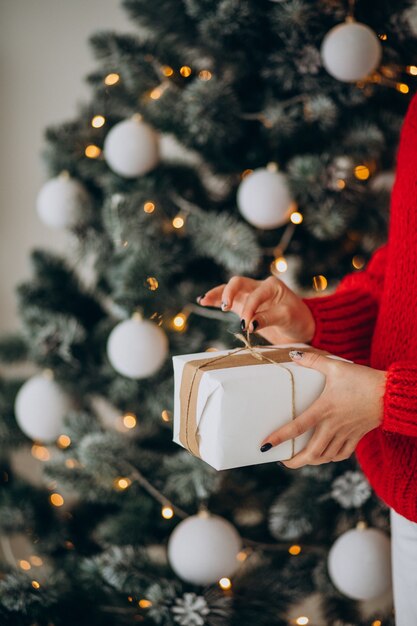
(212, 297)
(235, 287)
(315, 361)
(269, 291)
(296, 427)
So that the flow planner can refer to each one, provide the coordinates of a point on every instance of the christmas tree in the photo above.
(226, 138)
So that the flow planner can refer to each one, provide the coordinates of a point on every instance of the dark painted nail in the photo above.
(255, 325)
(266, 446)
(242, 324)
(224, 306)
(281, 464)
(200, 298)
(296, 354)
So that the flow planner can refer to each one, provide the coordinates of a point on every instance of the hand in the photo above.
(350, 405)
(267, 306)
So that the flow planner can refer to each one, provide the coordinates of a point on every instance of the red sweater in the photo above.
(369, 319)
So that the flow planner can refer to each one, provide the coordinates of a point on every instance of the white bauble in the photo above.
(62, 201)
(350, 51)
(264, 199)
(40, 408)
(137, 348)
(359, 563)
(131, 148)
(203, 548)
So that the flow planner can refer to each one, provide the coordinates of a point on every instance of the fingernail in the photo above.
(267, 446)
(296, 354)
(281, 464)
(242, 324)
(224, 306)
(200, 298)
(255, 325)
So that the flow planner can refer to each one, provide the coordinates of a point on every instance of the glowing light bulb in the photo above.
(204, 75)
(63, 441)
(156, 93)
(358, 262)
(56, 499)
(149, 207)
(36, 560)
(35, 584)
(361, 172)
(122, 483)
(319, 282)
(383, 37)
(412, 69)
(92, 151)
(178, 222)
(40, 452)
(402, 87)
(185, 71)
(242, 556)
(294, 550)
(111, 79)
(302, 620)
(281, 264)
(144, 604)
(246, 173)
(166, 416)
(225, 583)
(179, 321)
(376, 622)
(341, 184)
(167, 512)
(98, 121)
(25, 565)
(296, 217)
(166, 70)
(129, 420)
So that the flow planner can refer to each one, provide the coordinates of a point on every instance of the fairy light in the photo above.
(129, 420)
(166, 70)
(178, 221)
(149, 207)
(156, 93)
(56, 499)
(402, 87)
(111, 79)
(185, 71)
(25, 565)
(341, 184)
(412, 69)
(166, 416)
(167, 512)
(376, 622)
(36, 560)
(35, 584)
(63, 441)
(245, 173)
(294, 550)
(179, 321)
(98, 121)
(204, 75)
(225, 583)
(302, 620)
(69, 545)
(362, 172)
(40, 452)
(92, 151)
(319, 282)
(296, 217)
(144, 603)
(122, 483)
(242, 556)
(280, 264)
(383, 37)
(358, 262)
(71, 463)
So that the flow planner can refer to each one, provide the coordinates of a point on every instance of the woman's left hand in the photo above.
(350, 405)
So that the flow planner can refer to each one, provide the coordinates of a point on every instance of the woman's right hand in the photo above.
(267, 306)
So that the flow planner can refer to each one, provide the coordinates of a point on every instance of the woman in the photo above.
(369, 406)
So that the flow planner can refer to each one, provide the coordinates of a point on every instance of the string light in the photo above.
(296, 217)
(129, 420)
(302, 620)
(376, 622)
(36, 560)
(185, 71)
(319, 282)
(111, 79)
(245, 173)
(40, 452)
(166, 70)
(402, 87)
(92, 151)
(412, 69)
(358, 262)
(71, 463)
(149, 207)
(25, 565)
(98, 121)
(166, 415)
(167, 512)
(204, 75)
(122, 483)
(341, 184)
(225, 583)
(178, 221)
(64, 441)
(35, 584)
(56, 499)
(242, 555)
(362, 172)
(156, 93)
(294, 550)
(280, 264)
(383, 37)
(69, 545)
(179, 321)
(144, 604)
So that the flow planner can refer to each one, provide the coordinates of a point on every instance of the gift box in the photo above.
(227, 402)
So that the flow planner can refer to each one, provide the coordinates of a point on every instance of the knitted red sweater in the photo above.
(369, 319)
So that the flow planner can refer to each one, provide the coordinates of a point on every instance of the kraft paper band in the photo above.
(194, 370)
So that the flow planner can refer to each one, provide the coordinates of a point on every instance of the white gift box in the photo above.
(222, 415)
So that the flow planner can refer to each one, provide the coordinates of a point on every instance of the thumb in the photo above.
(314, 360)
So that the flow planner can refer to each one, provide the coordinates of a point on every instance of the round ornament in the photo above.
(62, 201)
(359, 563)
(351, 51)
(203, 548)
(40, 408)
(264, 199)
(137, 348)
(131, 148)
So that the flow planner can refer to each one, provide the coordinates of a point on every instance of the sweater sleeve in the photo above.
(400, 399)
(345, 320)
